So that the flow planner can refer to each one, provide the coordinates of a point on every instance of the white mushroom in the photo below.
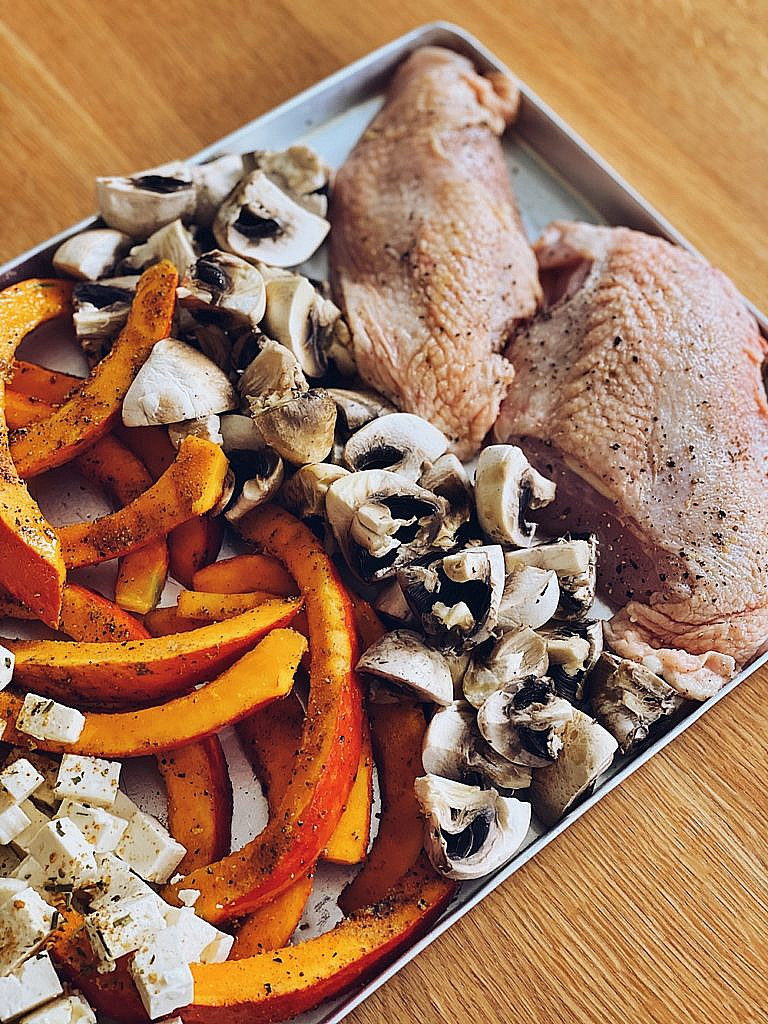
(304, 494)
(506, 488)
(530, 597)
(208, 427)
(176, 383)
(261, 222)
(448, 478)
(356, 408)
(258, 476)
(573, 651)
(141, 204)
(273, 377)
(588, 751)
(516, 656)
(288, 319)
(221, 282)
(171, 242)
(299, 171)
(239, 433)
(91, 254)
(574, 559)
(469, 832)
(302, 429)
(390, 602)
(524, 721)
(101, 309)
(213, 181)
(399, 442)
(402, 657)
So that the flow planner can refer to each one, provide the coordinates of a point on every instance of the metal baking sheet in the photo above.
(556, 175)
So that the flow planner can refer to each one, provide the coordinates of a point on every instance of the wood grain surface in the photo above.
(654, 907)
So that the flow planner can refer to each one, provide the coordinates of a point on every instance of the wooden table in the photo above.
(655, 906)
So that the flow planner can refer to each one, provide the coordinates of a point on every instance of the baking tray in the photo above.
(556, 175)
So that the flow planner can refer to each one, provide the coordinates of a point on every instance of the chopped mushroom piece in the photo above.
(304, 494)
(171, 242)
(390, 602)
(239, 433)
(516, 656)
(101, 309)
(356, 408)
(176, 383)
(91, 254)
(469, 832)
(628, 699)
(208, 427)
(219, 281)
(573, 652)
(274, 376)
(301, 429)
(448, 478)
(299, 171)
(506, 488)
(587, 752)
(574, 559)
(399, 442)
(530, 597)
(141, 204)
(214, 180)
(524, 722)
(289, 320)
(261, 222)
(258, 477)
(403, 658)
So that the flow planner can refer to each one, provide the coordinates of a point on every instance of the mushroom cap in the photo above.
(214, 180)
(574, 559)
(356, 408)
(302, 429)
(171, 242)
(524, 722)
(144, 202)
(519, 654)
(299, 171)
(403, 657)
(627, 698)
(573, 650)
(399, 442)
(258, 477)
(274, 376)
(530, 597)
(304, 493)
(208, 427)
(91, 254)
(288, 319)
(225, 282)
(239, 433)
(506, 487)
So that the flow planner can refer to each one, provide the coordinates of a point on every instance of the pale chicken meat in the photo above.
(639, 391)
(429, 259)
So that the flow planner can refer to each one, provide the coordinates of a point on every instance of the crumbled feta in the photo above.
(25, 921)
(7, 663)
(189, 897)
(150, 850)
(46, 720)
(48, 768)
(117, 882)
(100, 828)
(13, 821)
(200, 942)
(163, 980)
(67, 1010)
(10, 887)
(36, 821)
(63, 853)
(31, 985)
(122, 927)
(30, 872)
(20, 780)
(88, 779)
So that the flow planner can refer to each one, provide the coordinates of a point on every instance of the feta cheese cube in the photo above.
(63, 853)
(122, 927)
(117, 882)
(100, 828)
(25, 921)
(47, 766)
(20, 780)
(164, 982)
(46, 720)
(88, 779)
(30, 872)
(150, 850)
(32, 984)
(9, 861)
(123, 806)
(67, 1010)
(199, 941)
(36, 821)
(10, 887)
(7, 663)
(13, 821)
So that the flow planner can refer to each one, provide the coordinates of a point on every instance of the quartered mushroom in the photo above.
(171, 242)
(399, 442)
(300, 172)
(208, 427)
(274, 376)
(574, 559)
(458, 663)
(507, 487)
(214, 180)
(304, 493)
(524, 722)
(289, 319)
(356, 408)
(456, 597)
(100, 309)
(573, 651)
(588, 751)
(91, 254)
(222, 283)
(144, 202)
(301, 429)
(519, 654)
(469, 832)
(454, 749)
(390, 602)
(261, 222)
(258, 475)
(403, 658)
(239, 433)
(530, 597)
(627, 698)
(448, 478)
(381, 520)
(176, 383)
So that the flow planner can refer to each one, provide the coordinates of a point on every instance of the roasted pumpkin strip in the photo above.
(244, 573)
(327, 761)
(166, 620)
(49, 386)
(272, 925)
(85, 615)
(193, 545)
(349, 842)
(31, 565)
(193, 604)
(139, 672)
(91, 411)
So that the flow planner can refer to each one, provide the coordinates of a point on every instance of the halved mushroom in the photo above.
(171, 242)
(356, 408)
(574, 559)
(144, 202)
(456, 597)
(222, 282)
(300, 172)
(506, 488)
(519, 654)
(274, 376)
(100, 311)
(381, 520)
(573, 652)
(304, 494)
(258, 476)
(91, 254)
(454, 749)
(214, 180)
(524, 722)
(399, 442)
(240, 433)
(587, 752)
(288, 319)
(448, 478)
(458, 663)
(208, 427)
(530, 597)
(403, 658)
(469, 832)
(301, 429)
(261, 222)
(627, 698)
(390, 602)
(176, 383)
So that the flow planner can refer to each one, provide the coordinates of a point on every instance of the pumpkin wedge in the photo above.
(166, 620)
(31, 565)
(349, 842)
(91, 411)
(137, 672)
(194, 544)
(272, 925)
(193, 604)
(244, 573)
(85, 615)
(325, 764)
(49, 386)
(191, 486)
